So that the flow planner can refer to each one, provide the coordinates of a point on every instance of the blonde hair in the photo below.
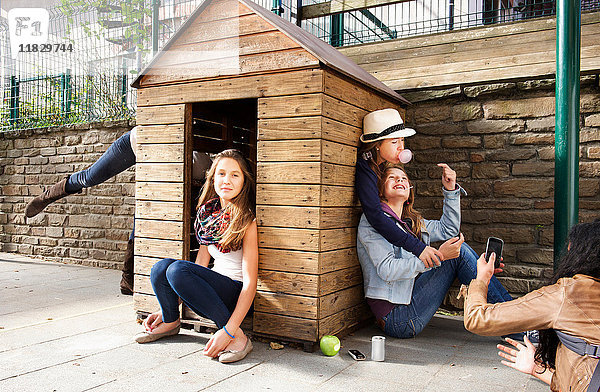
(240, 209)
(408, 210)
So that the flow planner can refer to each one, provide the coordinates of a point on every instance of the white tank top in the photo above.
(228, 264)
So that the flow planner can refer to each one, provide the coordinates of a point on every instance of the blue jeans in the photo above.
(406, 321)
(208, 293)
(117, 158)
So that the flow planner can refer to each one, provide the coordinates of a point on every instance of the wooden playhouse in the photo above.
(237, 75)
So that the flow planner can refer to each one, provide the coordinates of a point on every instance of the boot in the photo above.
(50, 195)
(127, 277)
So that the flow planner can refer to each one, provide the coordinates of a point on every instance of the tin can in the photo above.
(378, 348)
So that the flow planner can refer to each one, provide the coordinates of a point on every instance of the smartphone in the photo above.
(356, 355)
(494, 245)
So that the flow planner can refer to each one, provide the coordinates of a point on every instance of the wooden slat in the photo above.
(159, 191)
(159, 133)
(333, 239)
(342, 111)
(289, 128)
(308, 150)
(356, 94)
(161, 229)
(288, 260)
(290, 106)
(162, 210)
(159, 153)
(253, 63)
(166, 114)
(188, 316)
(289, 305)
(305, 173)
(338, 301)
(223, 9)
(288, 195)
(338, 196)
(292, 239)
(336, 6)
(339, 280)
(145, 303)
(343, 320)
(243, 45)
(337, 259)
(158, 248)
(167, 172)
(307, 217)
(290, 327)
(342, 133)
(285, 83)
(339, 153)
(142, 284)
(224, 28)
(288, 283)
(142, 265)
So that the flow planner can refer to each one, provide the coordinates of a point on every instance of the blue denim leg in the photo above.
(117, 158)
(205, 291)
(167, 297)
(406, 321)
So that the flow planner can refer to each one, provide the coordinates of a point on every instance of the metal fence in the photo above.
(97, 51)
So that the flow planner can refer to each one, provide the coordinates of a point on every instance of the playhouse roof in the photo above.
(325, 53)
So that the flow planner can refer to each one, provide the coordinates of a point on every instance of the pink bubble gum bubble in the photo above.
(405, 155)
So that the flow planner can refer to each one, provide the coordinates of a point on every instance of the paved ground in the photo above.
(67, 328)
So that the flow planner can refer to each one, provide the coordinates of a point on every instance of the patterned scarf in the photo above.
(211, 222)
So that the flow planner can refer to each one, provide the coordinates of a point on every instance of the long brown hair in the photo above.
(240, 209)
(408, 210)
(370, 151)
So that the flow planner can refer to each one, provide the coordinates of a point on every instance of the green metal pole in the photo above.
(14, 100)
(337, 30)
(566, 166)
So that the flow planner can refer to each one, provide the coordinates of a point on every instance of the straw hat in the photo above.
(384, 124)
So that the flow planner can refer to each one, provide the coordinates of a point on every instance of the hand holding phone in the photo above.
(494, 245)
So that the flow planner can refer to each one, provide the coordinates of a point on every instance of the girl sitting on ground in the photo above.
(568, 308)
(226, 230)
(402, 292)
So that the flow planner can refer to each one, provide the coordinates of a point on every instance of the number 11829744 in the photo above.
(45, 48)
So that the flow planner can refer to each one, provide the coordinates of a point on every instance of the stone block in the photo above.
(535, 168)
(533, 138)
(39, 161)
(72, 140)
(461, 142)
(502, 203)
(90, 137)
(477, 188)
(593, 152)
(545, 84)
(589, 169)
(544, 124)
(463, 170)
(419, 142)
(546, 153)
(589, 135)
(592, 120)
(48, 151)
(494, 141)
(511, 155)
(467, 111)
(440, 128)
(527, 188)
(476, 157)
(65, 150)
(442, 156)
(493, 88)
(56, 159)
(427, 95)
(14, 153)
(495, 126)
(91, 233)
(428, 113)
(95, 221)
(476, 216)
(546, 236)
(31, 152)
(588, 187)
(541, 217)
(515, 285)
(54, 232)
(520, 108)
(589, 103)
(536, 256)
(490, 170)
(48, 241)
(79, 253)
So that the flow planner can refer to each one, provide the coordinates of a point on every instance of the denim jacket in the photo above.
(389, 271)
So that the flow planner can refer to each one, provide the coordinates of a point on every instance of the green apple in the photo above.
(330, 345)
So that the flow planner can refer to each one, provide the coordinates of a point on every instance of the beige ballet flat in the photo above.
(229, 356)
(147, 337)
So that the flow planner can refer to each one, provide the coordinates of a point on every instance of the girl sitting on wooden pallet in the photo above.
(226, 230)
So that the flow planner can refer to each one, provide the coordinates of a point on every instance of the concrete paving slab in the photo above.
(87, 346)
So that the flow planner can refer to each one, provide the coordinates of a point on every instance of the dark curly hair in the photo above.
(581, 256)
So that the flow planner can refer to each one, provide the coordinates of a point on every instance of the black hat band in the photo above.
(385, 132)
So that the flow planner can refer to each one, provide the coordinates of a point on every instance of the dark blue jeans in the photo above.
(208, 293)
(406, 321)
(117, 158)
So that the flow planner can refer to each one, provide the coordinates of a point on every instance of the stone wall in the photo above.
(500, 140)
(89, 228)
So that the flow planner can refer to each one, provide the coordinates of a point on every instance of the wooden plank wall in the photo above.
(227, 38)
(162, 184)
(511, 51)
(310, 282)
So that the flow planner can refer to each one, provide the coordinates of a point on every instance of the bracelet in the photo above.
(227, 332)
